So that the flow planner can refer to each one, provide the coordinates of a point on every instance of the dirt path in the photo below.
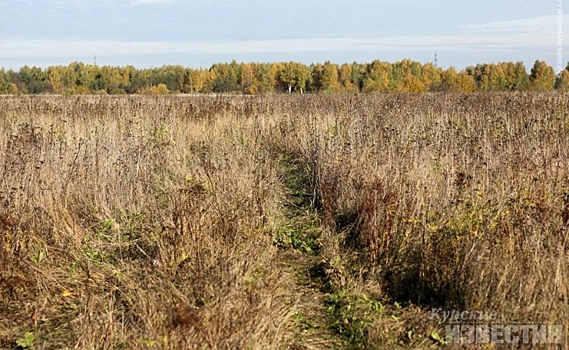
(300, 256)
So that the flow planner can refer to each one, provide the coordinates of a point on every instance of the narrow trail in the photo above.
(330, 314)
(300, 256)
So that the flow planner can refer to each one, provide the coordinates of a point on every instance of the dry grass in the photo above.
(145, 222)
(130, 223)
(452, 201)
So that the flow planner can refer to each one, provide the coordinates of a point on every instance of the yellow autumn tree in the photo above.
(562, 82)
(448, 80)
(326, 77)
(465, 82)
(542, 77)
(160, 89)
(378, 74)
(13, 89)
(345, 78)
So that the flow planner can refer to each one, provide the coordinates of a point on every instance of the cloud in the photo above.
(537, 25)
(474, 43)
(500, 39)
(150, 2)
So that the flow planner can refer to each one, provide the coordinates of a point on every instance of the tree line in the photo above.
(283, 77)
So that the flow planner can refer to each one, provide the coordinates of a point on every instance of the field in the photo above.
(280, 222)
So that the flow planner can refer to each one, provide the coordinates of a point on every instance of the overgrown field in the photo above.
(280, 222)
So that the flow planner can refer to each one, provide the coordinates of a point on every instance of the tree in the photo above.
(139, 80)
(465, 82)
(449, 79)
(225, 77)
(13, 89)
(31, 74)
(98, 84)
(173, 77)
(293, 76)
(4, 81)
(160, 89)
(562, 81)
(412, 76)
(378, 75)
(497, 77)
(69, 79)
(345, 79)
(359, 75)
(198, 80)
(84, 73)
(55, 77)
(253, 78)
(16, 79)
(40, 87)
(431, 76)
(325, 77)
(542, 77)
(481, 74)
(247, 77)
(397, 77)
(521, 81)
(265, 77)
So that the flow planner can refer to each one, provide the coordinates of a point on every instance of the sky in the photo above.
(198, 33)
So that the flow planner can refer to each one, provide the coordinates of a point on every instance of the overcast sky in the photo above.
(198, 33)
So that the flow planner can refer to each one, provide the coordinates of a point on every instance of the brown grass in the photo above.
(152, 227)
(146, 222)
(452, 201)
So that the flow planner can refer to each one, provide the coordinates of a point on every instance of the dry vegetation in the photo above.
(280, 222)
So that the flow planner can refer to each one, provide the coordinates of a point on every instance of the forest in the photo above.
(285, 77)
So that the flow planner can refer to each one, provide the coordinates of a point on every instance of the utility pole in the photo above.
(436, 60)
(95, 59)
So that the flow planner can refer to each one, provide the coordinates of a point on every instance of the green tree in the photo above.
(481, 74)
(98, 83)
(397, 77)
(173, 77)
(40, 87)
(85, 74)
(4, 81)
(31, 74)
(225, 77)
(265, 78)
(359, 75)
(521, 80)
(139, 80)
